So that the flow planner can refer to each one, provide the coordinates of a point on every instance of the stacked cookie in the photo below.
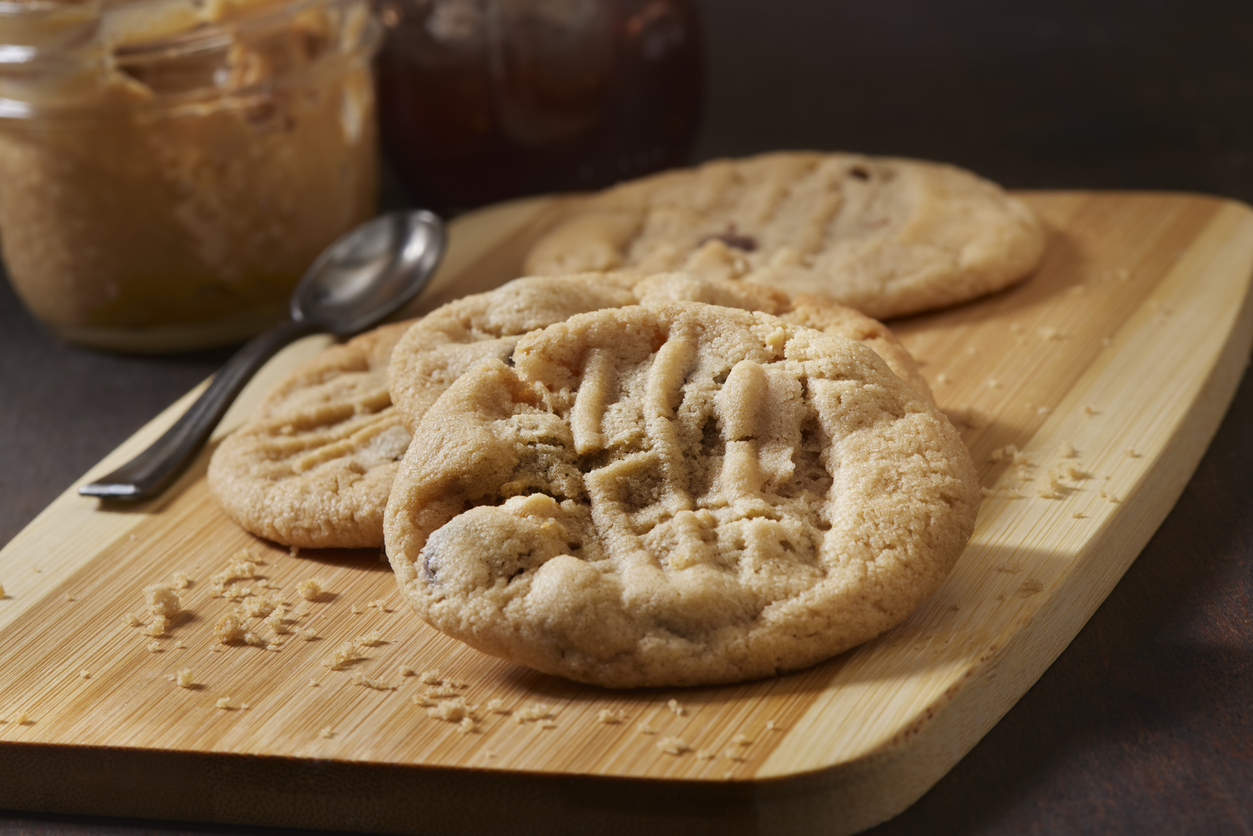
(633, 478)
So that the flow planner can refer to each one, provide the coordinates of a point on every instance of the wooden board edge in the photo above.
(914, 760)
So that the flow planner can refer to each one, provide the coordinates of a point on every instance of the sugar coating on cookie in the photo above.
(886, 236)
(677, 494)
(314, 465)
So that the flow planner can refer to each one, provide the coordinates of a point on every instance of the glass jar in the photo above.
(169, 168)
(482, 100)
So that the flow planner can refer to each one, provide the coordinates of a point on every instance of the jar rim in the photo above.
(206, 34)
(203, 38)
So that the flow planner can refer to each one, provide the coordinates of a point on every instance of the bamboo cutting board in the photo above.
(1087, 395)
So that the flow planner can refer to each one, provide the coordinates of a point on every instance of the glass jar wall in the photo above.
(169, 168)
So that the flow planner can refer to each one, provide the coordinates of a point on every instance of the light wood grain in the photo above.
(1114, 364)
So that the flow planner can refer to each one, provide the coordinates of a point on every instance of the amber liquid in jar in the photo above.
(483, 100)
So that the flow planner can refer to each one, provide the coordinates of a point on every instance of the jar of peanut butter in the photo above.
(169, 168)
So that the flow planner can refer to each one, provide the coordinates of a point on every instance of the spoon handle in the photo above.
(146, 475)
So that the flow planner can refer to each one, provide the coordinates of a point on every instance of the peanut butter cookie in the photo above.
(677, 494)
(314, 466)
(885, 236)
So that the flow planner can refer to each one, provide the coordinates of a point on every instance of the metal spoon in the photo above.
(359, 280)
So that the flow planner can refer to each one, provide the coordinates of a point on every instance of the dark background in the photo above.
(1144, 724)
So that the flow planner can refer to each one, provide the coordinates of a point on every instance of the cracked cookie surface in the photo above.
(451, 339)
(677, 494)
(886, 236)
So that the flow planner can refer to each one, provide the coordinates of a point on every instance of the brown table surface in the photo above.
(1144, 725)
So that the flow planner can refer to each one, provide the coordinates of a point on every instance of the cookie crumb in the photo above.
(371, 639)
(229, 628)
(1132, 453)
(180, 580)
(673, 745)
(1078, 515)
(345, 654)
(733, 754)
(988, 493)
(184, 678)
(261, 606)
(3, 594)
(224, 703)
(326, 731)
(275, 621)
(1067, 450)
(23, 719)
(307, 633)
(705, 754)
(405, 670)
(453, 710)
(677, 709)
(376, 684)
(311, 589)
(610, 718)
(1044, 410)
(242, 566)
(644, 728)
(771, 725)
(496, 706)
(1090, 410)
(84, 674)
(379, 605)
(1009, 451)
(530, 714)
(154, 646)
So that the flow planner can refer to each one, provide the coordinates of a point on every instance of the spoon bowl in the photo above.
(364, 277)
(370, 273)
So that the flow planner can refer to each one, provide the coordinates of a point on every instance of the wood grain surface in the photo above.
(1086, 395)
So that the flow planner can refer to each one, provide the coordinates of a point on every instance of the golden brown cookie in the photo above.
(314, 466)
(885, 236)
(677, 494)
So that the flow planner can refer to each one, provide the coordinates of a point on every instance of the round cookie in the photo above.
(886, 236)
(314, 465)
(677, 494)
(453, 338)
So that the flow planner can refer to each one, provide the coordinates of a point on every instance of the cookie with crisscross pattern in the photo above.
(885, 236)
(314, 465)
(677, 494)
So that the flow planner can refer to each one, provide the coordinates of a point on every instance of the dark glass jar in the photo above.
(483, 100)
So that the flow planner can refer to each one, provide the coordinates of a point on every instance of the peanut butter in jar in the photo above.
(169, 168)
